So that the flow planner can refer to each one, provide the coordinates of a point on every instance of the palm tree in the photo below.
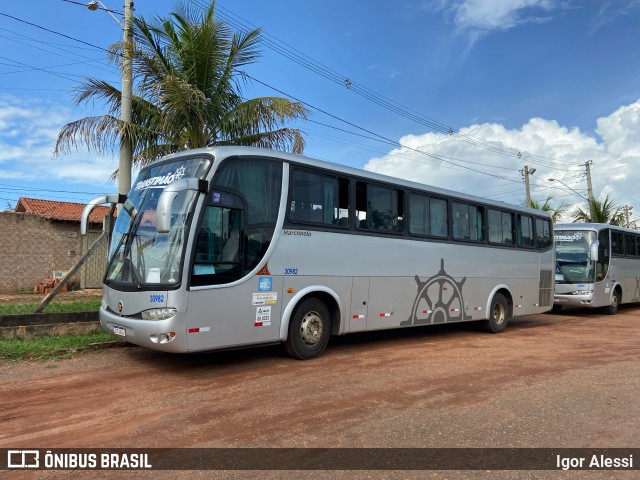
(600, 211)
(556, 213)
(189, 95)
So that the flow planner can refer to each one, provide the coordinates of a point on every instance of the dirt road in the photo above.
(566, 380)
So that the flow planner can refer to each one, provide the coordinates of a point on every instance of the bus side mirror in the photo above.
(169, 194)
(113, 198)
(594, 251)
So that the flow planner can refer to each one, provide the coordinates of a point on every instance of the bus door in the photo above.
(602, 285)
(225, 307)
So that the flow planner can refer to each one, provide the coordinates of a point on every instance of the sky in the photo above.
(461, 94)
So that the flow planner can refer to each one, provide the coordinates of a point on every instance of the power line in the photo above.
(57, 53)
(323, 70)
(54, 32)
(378, 137)
(31, 67)
(395, 143)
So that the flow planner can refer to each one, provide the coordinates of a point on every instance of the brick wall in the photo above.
(32, 248)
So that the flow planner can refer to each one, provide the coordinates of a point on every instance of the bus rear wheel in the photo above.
(498, 315)
(309, 330)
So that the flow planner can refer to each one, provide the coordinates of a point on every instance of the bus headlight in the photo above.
(159, 313)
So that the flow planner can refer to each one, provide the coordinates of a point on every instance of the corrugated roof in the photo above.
(63, 211)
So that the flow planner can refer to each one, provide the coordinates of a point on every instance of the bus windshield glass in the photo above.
(140, 256)
(573, 262)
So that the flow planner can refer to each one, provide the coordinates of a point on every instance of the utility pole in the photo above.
(587, 166)
(526, 172)
(126, 149)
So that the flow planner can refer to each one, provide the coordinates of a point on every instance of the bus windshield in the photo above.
(140, 256)
(573, 262)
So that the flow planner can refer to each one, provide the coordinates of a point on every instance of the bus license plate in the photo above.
(118, 330)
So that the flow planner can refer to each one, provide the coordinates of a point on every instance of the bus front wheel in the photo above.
(498, 315)
(612, 309)
(309, 330)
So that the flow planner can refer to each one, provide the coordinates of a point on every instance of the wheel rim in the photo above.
(614, 301)
(498, 313)
(311, 328)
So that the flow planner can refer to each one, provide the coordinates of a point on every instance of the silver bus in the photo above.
(226, 247)
(597, 265)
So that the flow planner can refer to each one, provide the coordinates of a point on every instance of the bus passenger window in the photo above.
(382, 207)
(467, 222)
(314, 198)
(438, 217)
(419, 214)
(525, 231)
(500, 227)
(428, 216)
(361, 205)
(629, 245)
(543, 233)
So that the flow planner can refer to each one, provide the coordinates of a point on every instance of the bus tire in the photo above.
(612, 309)
(499, 315)
(309, 329)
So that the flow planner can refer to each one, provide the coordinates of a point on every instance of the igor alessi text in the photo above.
(595, 461)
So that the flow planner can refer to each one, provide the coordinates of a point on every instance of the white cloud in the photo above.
(499, 14)
(554, 150)
(28, 131)
(476, 18)
(610, 10)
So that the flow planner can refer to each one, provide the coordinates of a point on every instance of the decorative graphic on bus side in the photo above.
(439, 300)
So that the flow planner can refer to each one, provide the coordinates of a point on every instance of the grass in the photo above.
(51, 347)
(77, 306)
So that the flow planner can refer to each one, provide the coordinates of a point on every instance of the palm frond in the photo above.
(188, 93)
(600, 211)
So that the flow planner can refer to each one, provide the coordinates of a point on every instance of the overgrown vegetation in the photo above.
(77, 306)
(51, 347)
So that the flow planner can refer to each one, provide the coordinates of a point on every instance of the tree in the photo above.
(188, 93)
(556, 213)
(604, 211)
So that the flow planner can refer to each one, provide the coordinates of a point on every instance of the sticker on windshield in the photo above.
(153, 276)
(203, 269)
(161, 181)
(568, 237)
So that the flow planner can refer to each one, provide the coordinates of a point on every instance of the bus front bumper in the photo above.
(165, 335)
(572, 300)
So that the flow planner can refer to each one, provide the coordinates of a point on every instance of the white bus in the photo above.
(597, 265)
(233, 246)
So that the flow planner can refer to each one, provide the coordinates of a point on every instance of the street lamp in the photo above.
(589, 199)
(526, 172)
(126, 149)
(97, 5)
